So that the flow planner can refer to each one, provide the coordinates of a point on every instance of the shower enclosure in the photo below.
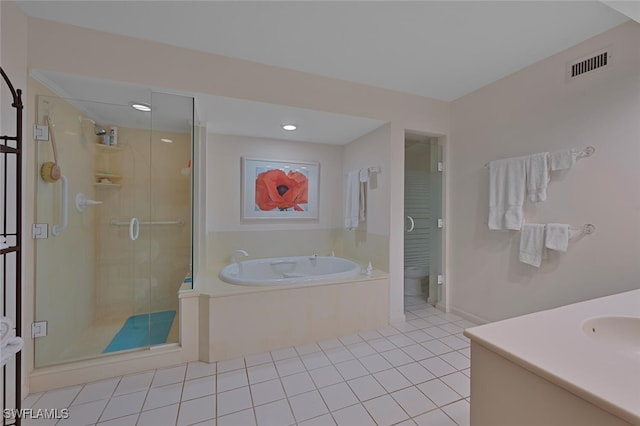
(113, 234)
(423, 212)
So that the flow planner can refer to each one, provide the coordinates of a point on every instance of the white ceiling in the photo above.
(437, 49)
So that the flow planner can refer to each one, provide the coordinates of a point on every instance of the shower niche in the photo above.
(108, 282)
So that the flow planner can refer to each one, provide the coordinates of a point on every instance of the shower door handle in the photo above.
(413, 224)
(64, 208)
(134, 229)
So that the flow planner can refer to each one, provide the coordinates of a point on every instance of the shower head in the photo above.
(100, 130)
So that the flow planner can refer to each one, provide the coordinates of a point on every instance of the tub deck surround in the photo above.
(240, 320)
(553, 346)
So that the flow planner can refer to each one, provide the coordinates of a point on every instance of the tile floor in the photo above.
(415, 373)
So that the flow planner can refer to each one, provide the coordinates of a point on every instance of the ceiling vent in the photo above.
(588, 64)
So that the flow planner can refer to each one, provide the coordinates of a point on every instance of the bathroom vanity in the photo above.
(574, 365)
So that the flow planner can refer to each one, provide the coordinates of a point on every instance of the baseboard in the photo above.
(468, 316)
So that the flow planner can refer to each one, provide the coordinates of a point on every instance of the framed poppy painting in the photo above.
(275, 189)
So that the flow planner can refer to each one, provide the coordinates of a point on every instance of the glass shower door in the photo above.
(90, 267)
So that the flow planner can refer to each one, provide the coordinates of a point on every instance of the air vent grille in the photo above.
(591, 63)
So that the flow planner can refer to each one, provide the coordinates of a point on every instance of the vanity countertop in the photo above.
(552, 345)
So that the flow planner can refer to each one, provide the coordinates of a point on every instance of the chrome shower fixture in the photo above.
(99, 130)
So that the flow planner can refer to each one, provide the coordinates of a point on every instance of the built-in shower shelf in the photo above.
(108, 176)
(107, 185)
(108, 147)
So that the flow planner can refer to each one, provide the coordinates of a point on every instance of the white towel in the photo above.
(13, 346)
(537, 166)
(564, 159)
(6, 325)
(532, 244)
(506, 193)
(363, 176)
(352, 201)
(557, 237)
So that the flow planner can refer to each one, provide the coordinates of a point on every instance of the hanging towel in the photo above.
(6, 326)
(352, 201)
(13, 346)
(364, 178)
(532, 244)
(564, 159)
(557, 237)
(506, 193)
(537, 166)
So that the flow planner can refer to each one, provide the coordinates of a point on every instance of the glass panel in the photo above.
(169, 231)
(422, 204)
(91, 278)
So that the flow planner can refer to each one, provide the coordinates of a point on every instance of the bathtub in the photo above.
(296, 270)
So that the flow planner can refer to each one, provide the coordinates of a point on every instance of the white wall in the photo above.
(537, 110)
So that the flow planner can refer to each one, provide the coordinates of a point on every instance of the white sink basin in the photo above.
(620, 333)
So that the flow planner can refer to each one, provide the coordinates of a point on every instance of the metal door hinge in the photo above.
(38, 329)
(440, 279)
(40, 230)
(440, 223)
(41, 133)
(440, 166)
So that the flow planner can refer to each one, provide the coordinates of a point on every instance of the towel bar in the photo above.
(584, 153)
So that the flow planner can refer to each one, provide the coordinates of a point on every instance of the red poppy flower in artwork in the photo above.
(277, 189)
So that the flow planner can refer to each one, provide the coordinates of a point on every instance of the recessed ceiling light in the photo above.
(289, 127)
(166, 140)
(141, 107)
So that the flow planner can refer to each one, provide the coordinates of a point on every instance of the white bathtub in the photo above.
(296, 270)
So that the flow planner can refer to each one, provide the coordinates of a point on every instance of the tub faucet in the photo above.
(236, 253)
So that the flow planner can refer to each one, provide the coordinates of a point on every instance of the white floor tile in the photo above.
(397, 357)
(315, 360)
(124, 405)
(297, 383)
(418, 352)
(465, 324)
(415, 373)
(392, 380)
(31, 399)
(258, 359)
(168, 376)
(451, 328)
(382, 345)
(436, 332)
(454, 342)
(351, 339)
(385, 410)
(324, 420)
(266, 392)
(401, 340)
(355, 415)
(413, 401)
(437, 347)
(351, 369)
(361, 349)
(244, 418)
(459, 383)
(419, 336)
(57, 398)
(438, 392)
(459, 412)
(420, 323)
(466, 352)
(284, 353)
(275, 414)
(434, 418)
(374, 363)
(307, 349)
(404, 327)
(388, 331)
(407, 422)
(330, 344)
(307, 405)
(289, 366)
(163, 395)
(210, 422)
(437, 366)
(230, 365)
(197, 388)
(134, 383)
(234, 400)
(326, 376)
(199, 369)
(457, 360)
(262, 373)
(338, 396)
(232, 380)
(120, 421)
(84, 414)
(437, 320)
(160, 416)
(197, 410)
(337, 355)
(96, 390)
(466, 372)
(370, 335)
(366, 388)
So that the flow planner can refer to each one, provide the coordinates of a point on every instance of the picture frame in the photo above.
(279, 189)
